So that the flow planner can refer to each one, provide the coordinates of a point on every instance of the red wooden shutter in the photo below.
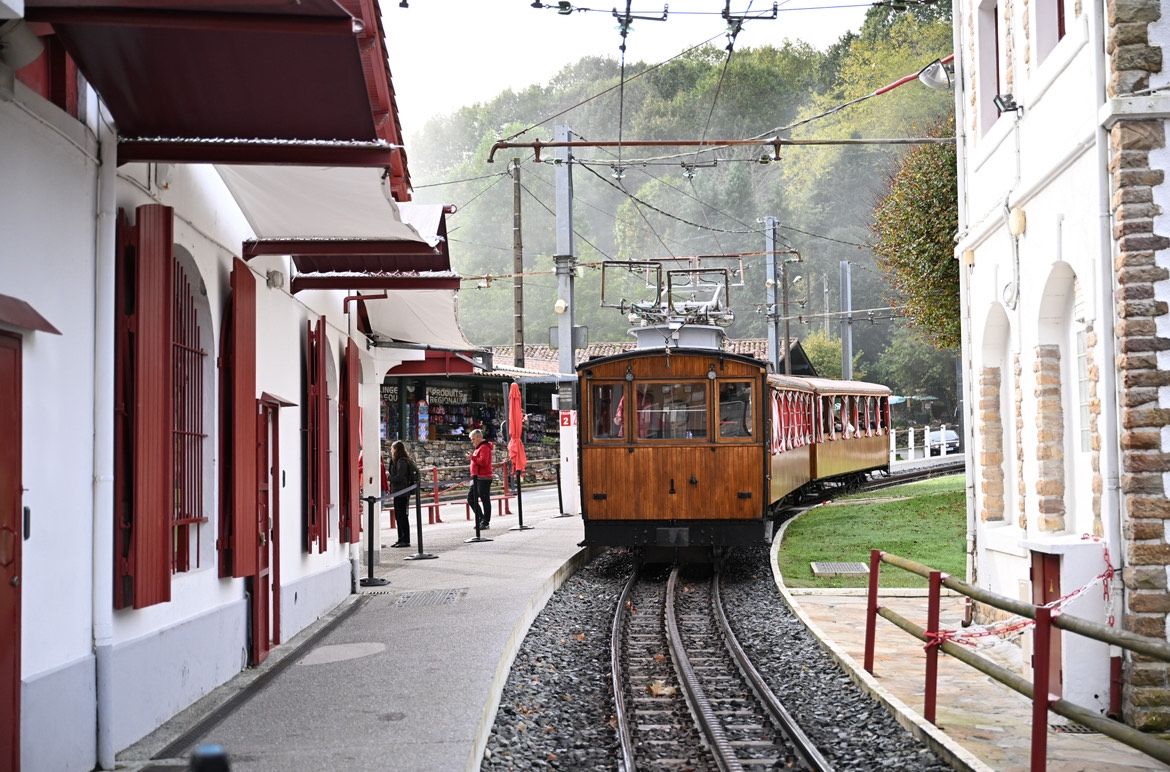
(144, 464)
(349, 428)
(316, 438)
(243, 418)
(226, 363)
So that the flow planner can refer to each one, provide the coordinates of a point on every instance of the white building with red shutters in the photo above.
(208, 261)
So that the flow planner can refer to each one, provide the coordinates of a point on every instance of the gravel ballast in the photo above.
(556, 711)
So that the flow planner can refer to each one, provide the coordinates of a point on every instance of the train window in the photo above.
(735, 409)
(672, 411)
(777, 444)
(606, 408)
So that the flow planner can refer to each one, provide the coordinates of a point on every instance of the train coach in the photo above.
(698, 447)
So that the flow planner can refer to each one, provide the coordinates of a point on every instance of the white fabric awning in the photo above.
(419, 316)
(327, 203)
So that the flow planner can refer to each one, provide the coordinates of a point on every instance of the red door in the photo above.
(1045, 589)
(262, 580)
(10, 539)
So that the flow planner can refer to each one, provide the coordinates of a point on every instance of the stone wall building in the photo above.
(1062, 147)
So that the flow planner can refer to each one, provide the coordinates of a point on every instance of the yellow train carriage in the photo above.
(851, 428)
(673, 448)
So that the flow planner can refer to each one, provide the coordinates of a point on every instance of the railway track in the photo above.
(687, 697)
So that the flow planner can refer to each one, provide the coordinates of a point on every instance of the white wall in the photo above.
(47, 204)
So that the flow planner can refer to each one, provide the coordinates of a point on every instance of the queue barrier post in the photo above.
(372, 533)
(433, 513)
(506, 473)
(420, 555)
(520, 503)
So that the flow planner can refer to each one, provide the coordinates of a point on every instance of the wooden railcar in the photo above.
(688, 465)
(712, 443)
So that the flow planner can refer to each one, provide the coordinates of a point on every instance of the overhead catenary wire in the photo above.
(602, 93)
(454, 182)
(668, 184)
(544, 206)
(495, 182)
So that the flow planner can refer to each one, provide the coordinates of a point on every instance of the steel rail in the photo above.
(805, 748)
(712, 728)
(618, 675)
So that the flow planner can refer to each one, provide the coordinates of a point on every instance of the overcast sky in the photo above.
(445, 54)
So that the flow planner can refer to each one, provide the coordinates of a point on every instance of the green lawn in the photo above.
(929, 526)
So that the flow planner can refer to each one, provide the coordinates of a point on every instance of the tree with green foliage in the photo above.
(913, 366)
(825, 354)
(914, 226)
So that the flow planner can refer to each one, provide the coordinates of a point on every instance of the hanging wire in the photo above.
(497, 181)
(453, 182)
(602, 93)
(544, 206)
(682, 191)
(661, 211)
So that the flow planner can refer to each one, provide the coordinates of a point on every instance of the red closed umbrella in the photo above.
(516, 429)
(516, 447)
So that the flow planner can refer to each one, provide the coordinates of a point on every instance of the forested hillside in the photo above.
(685, 204)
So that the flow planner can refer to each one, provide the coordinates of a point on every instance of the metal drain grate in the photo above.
(838, 568)
(1072, 729)
(430, 598)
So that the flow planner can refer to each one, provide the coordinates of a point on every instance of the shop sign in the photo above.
(447, 395)
(389, 392)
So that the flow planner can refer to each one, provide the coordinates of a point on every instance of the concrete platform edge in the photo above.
(933, 737)
(535, 604)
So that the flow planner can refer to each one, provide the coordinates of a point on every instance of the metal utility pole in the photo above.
(825, 305)
(772, 271)
(565, 267)
(846, 321)
(517, 270)
(787, 338)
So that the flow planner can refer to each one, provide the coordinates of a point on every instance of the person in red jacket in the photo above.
(481, 479)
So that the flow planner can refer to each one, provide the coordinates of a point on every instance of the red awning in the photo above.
(271, 71)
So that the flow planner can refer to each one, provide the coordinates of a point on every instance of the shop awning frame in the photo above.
(347, 281)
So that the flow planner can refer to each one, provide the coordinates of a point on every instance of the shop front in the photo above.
(433, 413)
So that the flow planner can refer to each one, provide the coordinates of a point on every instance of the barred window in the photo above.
(188, 435)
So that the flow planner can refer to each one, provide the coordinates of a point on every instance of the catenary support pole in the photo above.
(517, 270)
(565, 269)
(846, 321)
(785, 347)
(771, 272)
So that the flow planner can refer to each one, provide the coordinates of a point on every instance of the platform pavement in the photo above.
(408, 676)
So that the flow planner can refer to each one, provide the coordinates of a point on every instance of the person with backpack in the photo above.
(403, 474)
